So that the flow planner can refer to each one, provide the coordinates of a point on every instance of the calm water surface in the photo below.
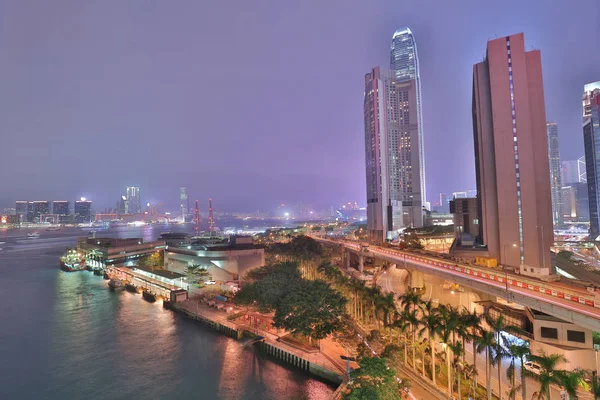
(66, 336)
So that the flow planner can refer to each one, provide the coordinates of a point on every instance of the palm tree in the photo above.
(549, 373)
(431, 322)
(410, 302)
(520, 352)
(404, 324)
(572, 380)
(458, 350)
(471, 321)
(486, 342)
(498, 326)
(449, 318)
(388, 306)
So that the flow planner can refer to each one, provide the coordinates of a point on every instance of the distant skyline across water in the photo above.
(243, 103)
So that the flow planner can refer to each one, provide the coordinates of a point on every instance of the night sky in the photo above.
(252, 103)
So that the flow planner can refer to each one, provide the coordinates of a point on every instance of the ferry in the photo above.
(33, 235)
(116, 285)
(72, 261)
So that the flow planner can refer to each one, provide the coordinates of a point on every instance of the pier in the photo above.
(324, 363)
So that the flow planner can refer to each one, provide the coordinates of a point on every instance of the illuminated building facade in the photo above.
(184, 202)
(133, 200)
(82, 211)
(404, 62)
(60, 207)
(21, 211)
(123, 206)
(39, 208)
(591, 144)
(555, 173)
(513, 176)
(393, 143)
(573, 171)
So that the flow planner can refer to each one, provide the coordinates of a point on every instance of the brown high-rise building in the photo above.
(511, 156)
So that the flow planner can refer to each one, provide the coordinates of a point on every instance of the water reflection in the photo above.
(67, 336)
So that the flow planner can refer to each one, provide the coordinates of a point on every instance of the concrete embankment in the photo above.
(315, 364)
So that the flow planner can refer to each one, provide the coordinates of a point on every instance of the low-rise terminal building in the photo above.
(100, 252)
(226, 261)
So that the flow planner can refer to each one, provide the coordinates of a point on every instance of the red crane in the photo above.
(211, 220)
(197, 220)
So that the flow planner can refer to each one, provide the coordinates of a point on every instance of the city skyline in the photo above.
(130, 104)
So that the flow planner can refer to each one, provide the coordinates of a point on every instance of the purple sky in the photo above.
(252, 103)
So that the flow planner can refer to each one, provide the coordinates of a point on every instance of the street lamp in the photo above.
(504, 268)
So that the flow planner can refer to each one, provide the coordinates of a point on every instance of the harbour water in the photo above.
(66, 336)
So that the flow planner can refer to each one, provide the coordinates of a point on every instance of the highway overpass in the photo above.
(568, 303)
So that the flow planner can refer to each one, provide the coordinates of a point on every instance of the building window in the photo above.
(576, 336)
(549, 333)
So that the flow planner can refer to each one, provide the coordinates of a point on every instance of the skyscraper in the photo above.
(60, 207)
(590, 90)
(393, 142)
(555, 173)
(40, 207)
(21, 211)
(123, 206)
(379, 209)
(404, 63)
(184, 202)
(134, 204)
(591, 144)
(82, 211)
(573, 171)
(513, 176)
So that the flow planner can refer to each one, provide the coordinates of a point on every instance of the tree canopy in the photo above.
(302, 247)
(373, 381)
(311, 308)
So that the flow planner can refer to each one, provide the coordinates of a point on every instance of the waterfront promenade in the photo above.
(328, 358)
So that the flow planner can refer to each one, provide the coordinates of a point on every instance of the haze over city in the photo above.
(252, 103)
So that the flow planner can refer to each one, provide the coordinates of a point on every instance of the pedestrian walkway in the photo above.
(324, 358)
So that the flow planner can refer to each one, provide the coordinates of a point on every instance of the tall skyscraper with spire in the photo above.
(394, 142)
(404, 63)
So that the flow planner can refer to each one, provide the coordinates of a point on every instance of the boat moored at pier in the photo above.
(116, 285)
(72, 261)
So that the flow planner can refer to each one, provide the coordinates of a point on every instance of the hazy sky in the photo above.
(249, 102)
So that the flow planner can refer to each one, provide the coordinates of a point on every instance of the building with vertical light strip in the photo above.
(555, 173)
(513, 175)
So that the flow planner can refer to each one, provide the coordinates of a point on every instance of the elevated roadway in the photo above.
(563, 301)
